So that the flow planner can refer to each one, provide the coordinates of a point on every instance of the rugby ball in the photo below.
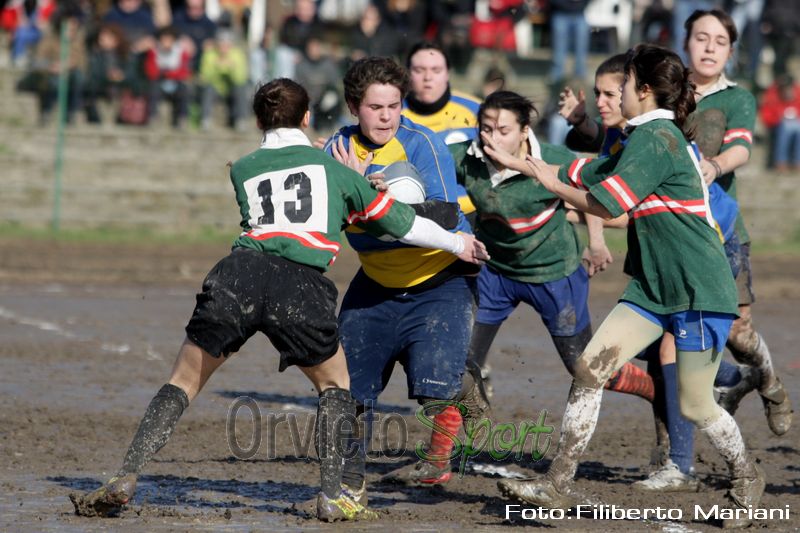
(404, 182)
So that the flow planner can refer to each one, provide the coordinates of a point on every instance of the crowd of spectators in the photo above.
(129, 58)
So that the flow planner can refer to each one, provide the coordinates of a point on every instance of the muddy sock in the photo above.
(442, 444)
(631, 379)
(482, 337)
(570, 348)
(728, 375)
(681, 430)
(357, 444)
(749, 348)
(336, 409)
(157, 424)
(725, 437)
(577, 427)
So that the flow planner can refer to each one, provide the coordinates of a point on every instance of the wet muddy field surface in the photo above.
(88, 334)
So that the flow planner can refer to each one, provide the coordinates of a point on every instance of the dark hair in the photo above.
(613, 65)
(170, 31)
(522, 107)
(281, 103)
(427, 45)
(723, 18)
(373, 70)
(663, 72)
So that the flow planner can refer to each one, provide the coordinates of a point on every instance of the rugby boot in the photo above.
(358, 495)
(778, 408)
(108, 500)
(729, 398)
(745, 493)
(420, 473)
(541, 492)
(343, 507)
(669, 478)
(474, 398)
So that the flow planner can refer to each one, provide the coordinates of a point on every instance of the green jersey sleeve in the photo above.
(741, 115)
(642, 166)
(376, 212)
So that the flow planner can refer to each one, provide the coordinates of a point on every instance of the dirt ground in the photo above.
(88, 334)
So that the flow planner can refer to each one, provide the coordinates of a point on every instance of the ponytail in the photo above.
(663, 71)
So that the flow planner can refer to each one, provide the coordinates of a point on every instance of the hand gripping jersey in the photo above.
(295, 200)
(394, 264)
(456, 122)
(675, 256)
(523, 226)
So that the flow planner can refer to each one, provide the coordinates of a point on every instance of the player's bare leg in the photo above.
(193, 367)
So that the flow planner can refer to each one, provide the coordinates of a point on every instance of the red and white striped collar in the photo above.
(284, 137)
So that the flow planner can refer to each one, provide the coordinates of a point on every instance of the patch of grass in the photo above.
(119, 235)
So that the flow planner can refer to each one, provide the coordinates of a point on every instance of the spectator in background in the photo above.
(317, 73)
(26, 20)
(193, 23)
(109, 69)
(373, 37)
(780, 109)
(746, 14)
(47, 63)
(294, 34)
(223, 76)
(453, 19)
(167, 66)
(781, 25)
(407, 17)
(568, 25)
(136, 20)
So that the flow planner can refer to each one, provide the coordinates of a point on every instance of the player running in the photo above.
(657, 178)
(294, 201)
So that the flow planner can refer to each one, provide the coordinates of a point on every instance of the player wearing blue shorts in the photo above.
(680, 278)
(405, 305)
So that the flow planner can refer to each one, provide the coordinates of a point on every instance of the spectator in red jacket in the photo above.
(780, 109)
(168, 67)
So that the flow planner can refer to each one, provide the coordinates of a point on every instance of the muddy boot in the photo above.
(542, 492)
(745, 494)
(778, 408)
(473, 396)
(729, 398)
(108, 500)
(343, 507)
(420, 473)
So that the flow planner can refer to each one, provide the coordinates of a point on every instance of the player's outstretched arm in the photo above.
(427, 234)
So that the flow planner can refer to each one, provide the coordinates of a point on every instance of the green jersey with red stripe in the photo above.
(523, 226)
(739, 108)
(675, 257)
(295, 200)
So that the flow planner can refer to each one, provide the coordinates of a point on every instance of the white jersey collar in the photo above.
(284, 137)
(721, 84)
(497, 177)
(649, 116)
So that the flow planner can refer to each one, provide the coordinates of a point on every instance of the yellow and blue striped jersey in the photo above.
(456, 122)
(394, 264)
